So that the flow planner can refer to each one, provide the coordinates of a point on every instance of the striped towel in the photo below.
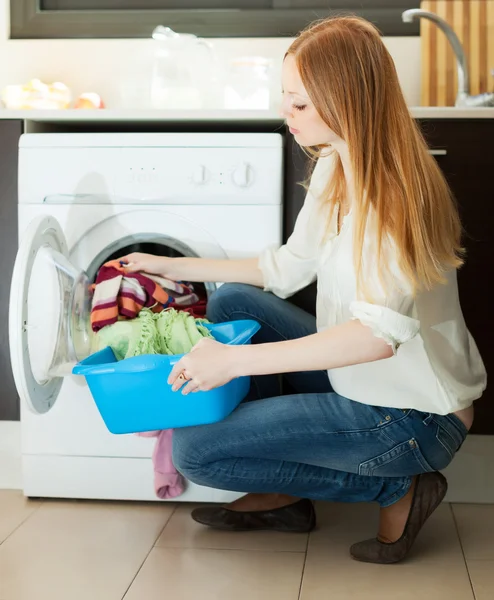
(123, 295)
(183, 293)
(119, 294)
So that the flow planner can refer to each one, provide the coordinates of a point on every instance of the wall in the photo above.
(113, 68)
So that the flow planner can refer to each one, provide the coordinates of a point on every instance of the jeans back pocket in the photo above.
(405, 459)
(448, 436)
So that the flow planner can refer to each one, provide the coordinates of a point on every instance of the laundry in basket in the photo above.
(132, 395)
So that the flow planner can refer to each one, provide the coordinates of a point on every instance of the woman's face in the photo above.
(301, 116)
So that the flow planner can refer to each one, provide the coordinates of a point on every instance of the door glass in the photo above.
(58, 322)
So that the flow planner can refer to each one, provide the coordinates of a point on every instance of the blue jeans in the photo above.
(314, 443)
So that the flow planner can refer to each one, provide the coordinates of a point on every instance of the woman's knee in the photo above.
(183, 451)
(227, 299)
(191, 457)
(189, 452)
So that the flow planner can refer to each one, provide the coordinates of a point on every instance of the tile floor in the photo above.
(78, 550)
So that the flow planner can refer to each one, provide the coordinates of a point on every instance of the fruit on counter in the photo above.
(39, 95)
(89, 100)
(36, 95)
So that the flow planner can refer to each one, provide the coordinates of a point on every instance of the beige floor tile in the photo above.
(182, 532)
(14, 510)
(482, 576)
(476, 528)
(218, 575)
(79, 550)
(327, 577)
(341, 525)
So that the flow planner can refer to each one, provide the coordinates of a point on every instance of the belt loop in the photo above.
(428, 419)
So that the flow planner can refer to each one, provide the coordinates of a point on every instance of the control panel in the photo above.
(247, 171)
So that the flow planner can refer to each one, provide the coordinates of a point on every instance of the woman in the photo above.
(386, 379)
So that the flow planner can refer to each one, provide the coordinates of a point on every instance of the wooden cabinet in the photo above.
(469, 168)
(467, 160)
(10, 132)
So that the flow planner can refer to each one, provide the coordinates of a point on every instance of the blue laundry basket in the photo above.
(132, 395)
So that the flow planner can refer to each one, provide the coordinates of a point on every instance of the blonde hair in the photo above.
(351, 79)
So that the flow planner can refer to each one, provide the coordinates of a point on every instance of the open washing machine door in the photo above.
(49, 314)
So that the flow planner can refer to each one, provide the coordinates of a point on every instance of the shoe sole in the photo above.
(245, 529)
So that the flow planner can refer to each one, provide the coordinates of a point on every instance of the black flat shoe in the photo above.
(429, 492)
(299, 517)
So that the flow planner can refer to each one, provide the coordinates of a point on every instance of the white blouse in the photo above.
(436, 366)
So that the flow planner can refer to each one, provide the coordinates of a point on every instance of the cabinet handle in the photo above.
(438, 152)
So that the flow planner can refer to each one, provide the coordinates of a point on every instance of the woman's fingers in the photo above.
(173, 378)
(129, 263)
(190, 387)
(180, 377)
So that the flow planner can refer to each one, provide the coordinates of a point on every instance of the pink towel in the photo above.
(168, 483)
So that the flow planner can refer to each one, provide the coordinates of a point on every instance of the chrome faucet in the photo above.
(463, 97)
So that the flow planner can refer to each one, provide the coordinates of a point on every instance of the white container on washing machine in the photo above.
(86, 198)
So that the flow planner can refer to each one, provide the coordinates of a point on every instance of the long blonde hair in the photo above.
(351, 79)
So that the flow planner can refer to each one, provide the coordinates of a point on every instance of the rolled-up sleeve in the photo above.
(293, 266)
(396, 327)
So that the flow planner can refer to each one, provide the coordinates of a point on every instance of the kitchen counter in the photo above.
(115, 115)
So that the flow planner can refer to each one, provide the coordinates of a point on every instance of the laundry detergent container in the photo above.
(132, 395)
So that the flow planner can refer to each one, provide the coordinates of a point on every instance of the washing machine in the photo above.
(86, 198)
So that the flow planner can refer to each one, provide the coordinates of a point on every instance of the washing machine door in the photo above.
(49, 324)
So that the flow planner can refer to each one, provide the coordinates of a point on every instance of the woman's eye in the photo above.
(299, 106)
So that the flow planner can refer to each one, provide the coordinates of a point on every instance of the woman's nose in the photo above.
(286, 109)
(285, 114)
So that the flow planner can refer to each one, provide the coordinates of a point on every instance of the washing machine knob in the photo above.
(199, 175)
(242, 175)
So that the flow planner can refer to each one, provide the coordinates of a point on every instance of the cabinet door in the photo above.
(463, 150)
(10, 132)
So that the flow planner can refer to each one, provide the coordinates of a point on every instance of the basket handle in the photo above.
(135, 364)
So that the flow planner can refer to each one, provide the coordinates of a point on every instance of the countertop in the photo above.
(419, 112)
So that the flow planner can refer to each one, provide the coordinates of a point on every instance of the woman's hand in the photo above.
(147, 263)
(208, 365)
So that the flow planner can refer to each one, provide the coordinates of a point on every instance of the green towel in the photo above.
(131, 337)
(168, 332)
(178, 331)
